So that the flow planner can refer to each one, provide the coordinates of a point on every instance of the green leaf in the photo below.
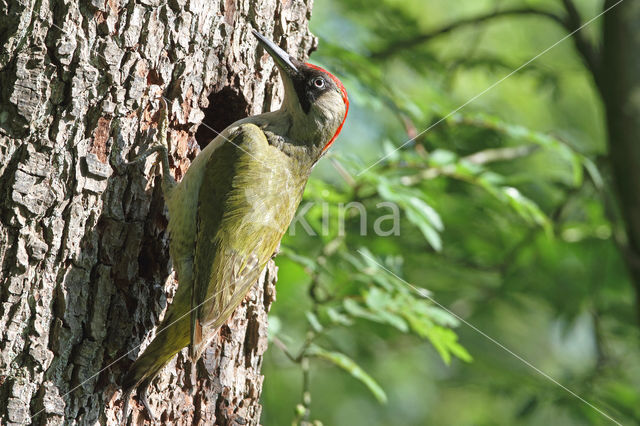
(428, 212)
(381, 304)
(390, 151)
(594, 173)
(337, 317)
(430, 234)
(313, 320)
(384, 280)
(304, 261)
(394, 320)
(376, 299)
(441, 157)
(353, 308)
(347, 364)
(442, 317)
(459, 351)
(467, 170)
(420, 324)
(444, 340)
(446, 343)
(355, 261)
(578, 174)
(526, 208)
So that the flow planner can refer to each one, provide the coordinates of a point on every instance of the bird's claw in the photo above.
(142, 396)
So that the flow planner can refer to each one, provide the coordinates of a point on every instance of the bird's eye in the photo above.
(319, 82)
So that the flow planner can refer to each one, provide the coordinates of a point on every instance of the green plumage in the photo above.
(246, 198)
(232, 207)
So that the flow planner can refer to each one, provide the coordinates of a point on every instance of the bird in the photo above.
(232, 207)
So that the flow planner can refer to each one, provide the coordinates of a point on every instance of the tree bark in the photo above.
(86, 273)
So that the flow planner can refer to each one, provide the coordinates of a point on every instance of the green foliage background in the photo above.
(507, 220)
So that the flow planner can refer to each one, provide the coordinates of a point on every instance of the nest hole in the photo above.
(225, 107)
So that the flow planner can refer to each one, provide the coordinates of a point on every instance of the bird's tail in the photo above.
(173, 335)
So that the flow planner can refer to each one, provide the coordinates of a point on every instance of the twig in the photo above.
(478, 158)
(283, 347)
(588, 52)
(343, 172)
(306, 388)
(395, 47)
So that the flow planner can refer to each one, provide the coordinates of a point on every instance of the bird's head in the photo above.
(315, 99)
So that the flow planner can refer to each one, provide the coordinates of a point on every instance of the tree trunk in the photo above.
(620, 89)
(86, 273)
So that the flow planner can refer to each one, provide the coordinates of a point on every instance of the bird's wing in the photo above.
(245, 205)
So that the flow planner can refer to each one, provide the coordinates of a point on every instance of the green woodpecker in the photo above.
(234, 204)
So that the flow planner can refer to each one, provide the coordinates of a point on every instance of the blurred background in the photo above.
(508, 217)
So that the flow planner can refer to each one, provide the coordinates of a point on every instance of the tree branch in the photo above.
(583, 46)
(396, 46)
(477, 158)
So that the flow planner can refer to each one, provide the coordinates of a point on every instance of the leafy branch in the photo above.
(377, 297)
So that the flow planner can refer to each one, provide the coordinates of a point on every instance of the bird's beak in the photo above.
(281, 58)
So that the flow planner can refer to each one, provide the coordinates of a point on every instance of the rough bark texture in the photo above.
(83, 249)
(620, 88)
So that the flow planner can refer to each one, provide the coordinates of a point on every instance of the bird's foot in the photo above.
(125, 407)
(142, 396)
